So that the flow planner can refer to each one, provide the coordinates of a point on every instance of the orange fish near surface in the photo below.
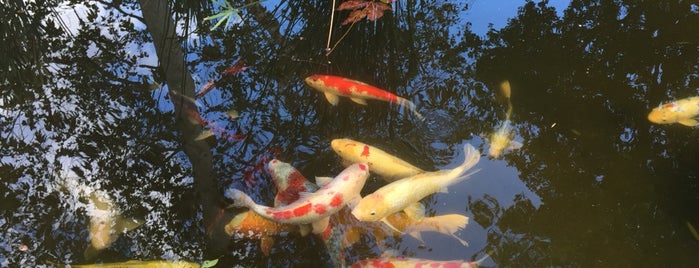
(682, 111)
(414, 262)
(250, 225)
(335, 86)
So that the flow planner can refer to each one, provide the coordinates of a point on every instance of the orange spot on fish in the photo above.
(283, 215)
(362, 166)
(303, 210)
(365, 152)
(320, 208)
(337, 200)
(326, 233)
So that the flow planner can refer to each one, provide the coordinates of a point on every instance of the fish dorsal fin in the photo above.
(689, 122)
(332, 98)
(318, 227)
(415, 211)
(389, 253)
(322, 181)
(303, 195)
(360, 101)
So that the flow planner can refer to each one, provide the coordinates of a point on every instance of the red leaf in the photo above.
(352, 4)
(355, 16)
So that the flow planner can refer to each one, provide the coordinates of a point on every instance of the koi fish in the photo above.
(106, 223)
(334, 86)
(415, 262)
(501, 140)
(251, 225)
(314, 208)
(387, 166)
(405, 193)
(141, 264)
(683, 111)
(446, 224)
(289, 182)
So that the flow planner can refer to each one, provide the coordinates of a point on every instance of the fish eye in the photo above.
(372, 213)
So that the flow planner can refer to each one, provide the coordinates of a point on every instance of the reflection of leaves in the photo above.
(361, 8)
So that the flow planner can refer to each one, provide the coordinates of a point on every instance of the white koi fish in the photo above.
(501, 140)
(314, 208)
(387, 261)
(387, 166)
(683, 111)
(335, 86)
(404, 193)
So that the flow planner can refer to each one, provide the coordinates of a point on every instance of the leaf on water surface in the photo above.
(361, 8)
(352, 4)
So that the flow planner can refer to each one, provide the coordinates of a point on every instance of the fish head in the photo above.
(276, 169)
(101, 235)
(315, 81)
(663, 115)
(498, 141)
(371, 208)
(345, 147)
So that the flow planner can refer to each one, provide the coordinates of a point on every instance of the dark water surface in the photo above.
(595, 183)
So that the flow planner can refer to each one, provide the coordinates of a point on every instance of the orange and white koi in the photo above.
(387, 166)
(335, 86)
(289, 182)
(314, 208)
(415, 262)
(683, 111)
(404, 193)
(250, 225)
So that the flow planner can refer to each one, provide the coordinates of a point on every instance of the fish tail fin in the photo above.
(509, 110)
(448, 224)
(412, 107)
(239, 199)
(471, 158)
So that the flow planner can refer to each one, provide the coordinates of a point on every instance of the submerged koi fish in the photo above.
(250, 225)
(501, 140)
(446, 224)
(387, 166)
(314, 208)
(141, 264)
(683, 111)
(335, 86)
(404, 193)
(415, 262)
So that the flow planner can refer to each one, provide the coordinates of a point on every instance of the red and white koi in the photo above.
(405, 193)
(683, 111)
(314, 208)
(387, 166)
(396, 262)
(289, 182)
(335, 86)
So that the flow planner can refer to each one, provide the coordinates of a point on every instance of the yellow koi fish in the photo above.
(387, 166)
(682, 111)
(501, 140)
(405, 193)
(140, 264)
(446, 224)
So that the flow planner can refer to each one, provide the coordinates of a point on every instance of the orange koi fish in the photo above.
(682, 111)
(251, 225)
(415, 262)
(334, 86)
(312, 208)
(387, 166)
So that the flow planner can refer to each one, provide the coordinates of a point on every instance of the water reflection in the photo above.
(595, 184)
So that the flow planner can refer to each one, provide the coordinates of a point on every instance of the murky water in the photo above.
(594, 184)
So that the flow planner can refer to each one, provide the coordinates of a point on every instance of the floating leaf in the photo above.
(352, 4)
(209, 263)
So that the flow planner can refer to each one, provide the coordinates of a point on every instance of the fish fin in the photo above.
(204, 135)
(351, 235)
(319, 226)
(447, 224)
(266, 243)
(351, 203)
(514, 145)
(412, 107)
(417, 235)
(122, 225)
(303, 195)
(322, 181)
(385, 221)
(332, 98)
(304, 229)
(415, 211)
(360, 101)
(689, 122)
(443, 190)
(277, 201)
(389, 253)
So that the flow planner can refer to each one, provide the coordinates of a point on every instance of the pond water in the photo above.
(86, 109)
